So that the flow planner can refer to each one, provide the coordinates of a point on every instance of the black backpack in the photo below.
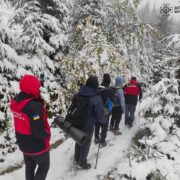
(115, 96)
(76, 112)
(110, 98)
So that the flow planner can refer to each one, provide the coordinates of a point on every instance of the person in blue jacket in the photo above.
(119, 108)
(95, 113)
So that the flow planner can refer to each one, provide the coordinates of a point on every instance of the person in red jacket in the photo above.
(32, 128)
(131, 92)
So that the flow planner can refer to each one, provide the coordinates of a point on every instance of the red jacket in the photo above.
(131, 92)
(30, 119)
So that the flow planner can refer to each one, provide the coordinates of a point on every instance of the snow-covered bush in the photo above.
(161, 116)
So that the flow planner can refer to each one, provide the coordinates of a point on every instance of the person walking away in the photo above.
(118, 108)
(32, 128)
(106, 80)
(95, 113)
(132, 91)
(106, 95)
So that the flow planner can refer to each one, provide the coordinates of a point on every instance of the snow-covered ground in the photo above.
(117, 160)
(109, 157)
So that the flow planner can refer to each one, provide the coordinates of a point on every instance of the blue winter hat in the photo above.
(119, 81)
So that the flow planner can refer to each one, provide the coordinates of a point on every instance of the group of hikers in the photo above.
(105, 103)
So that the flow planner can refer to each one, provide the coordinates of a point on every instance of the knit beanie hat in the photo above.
(92, 82)
(133, 78)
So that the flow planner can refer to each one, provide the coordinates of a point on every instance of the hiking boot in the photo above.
(75, 163)
(84, 166)
(117, 132)
(103, 144)
(111, 128)
(96, 141)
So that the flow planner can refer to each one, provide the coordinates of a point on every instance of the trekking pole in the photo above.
(69, 147)
(97, 156)
(139, 115)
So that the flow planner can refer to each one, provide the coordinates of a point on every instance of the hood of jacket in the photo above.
(30, 84)
(20, 101)
(133, 81)
(87, 91)
(119, 81)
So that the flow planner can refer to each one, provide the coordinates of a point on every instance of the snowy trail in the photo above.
(62, 158)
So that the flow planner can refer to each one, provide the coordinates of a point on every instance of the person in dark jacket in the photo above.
(131, 91)
(106, 80)
(32, 128)
(105, 93)
(95, 113)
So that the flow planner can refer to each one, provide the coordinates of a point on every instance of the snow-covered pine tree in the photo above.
(164, 24)
(56, 8)
(88, 8)
(90, 51)
(134, 38)
(7, 61)
(42, 36)
(41, 28)
(166, 61)
(19, 55)
(96, 10)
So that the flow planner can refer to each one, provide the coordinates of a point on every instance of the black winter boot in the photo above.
(84, 166)
(103, 144)
(96, 141)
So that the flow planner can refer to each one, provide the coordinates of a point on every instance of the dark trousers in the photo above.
(116, 117)
(43, 163)
(129, 114)
(81, 152)
(104, 129)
